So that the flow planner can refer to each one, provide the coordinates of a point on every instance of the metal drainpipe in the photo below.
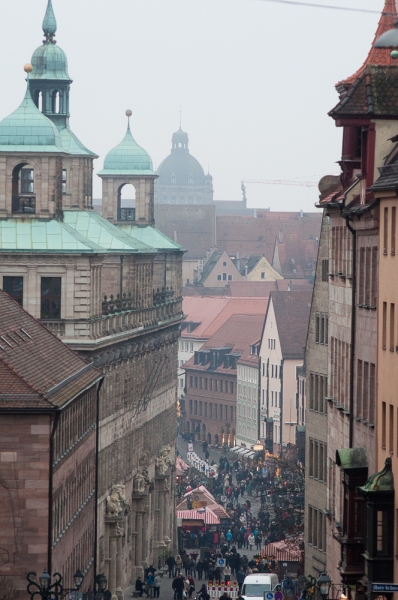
(353, 323)
(50, 493)
(281, 406)
(97, 420)
(121, 276)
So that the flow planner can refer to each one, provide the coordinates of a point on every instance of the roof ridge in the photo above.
(377, 56)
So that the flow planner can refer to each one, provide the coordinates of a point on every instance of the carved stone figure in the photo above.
(141, 479)
(119, 531)
(163, 462)
(113, 502)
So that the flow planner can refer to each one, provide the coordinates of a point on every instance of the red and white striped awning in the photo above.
(193, 515)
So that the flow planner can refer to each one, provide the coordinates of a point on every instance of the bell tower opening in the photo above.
(23, 189)
(126, 202)
(56, 102)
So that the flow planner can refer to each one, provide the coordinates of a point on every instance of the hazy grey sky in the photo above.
(255, 81)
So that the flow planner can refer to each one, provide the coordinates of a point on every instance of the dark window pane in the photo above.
(13, 286)
(51, 297)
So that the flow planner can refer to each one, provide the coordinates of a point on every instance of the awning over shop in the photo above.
(207, 516)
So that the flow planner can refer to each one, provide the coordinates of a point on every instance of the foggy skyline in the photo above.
(254, 80)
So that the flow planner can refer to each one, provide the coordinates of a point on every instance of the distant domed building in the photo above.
(182, 180)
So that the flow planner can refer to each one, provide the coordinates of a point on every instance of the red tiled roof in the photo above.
(292, 312)
(246, 289)
(250, 235)
(212, 313)
(378, 56)
(237, 333)
(37, 361)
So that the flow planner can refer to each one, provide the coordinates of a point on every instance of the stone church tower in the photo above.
(110, 288)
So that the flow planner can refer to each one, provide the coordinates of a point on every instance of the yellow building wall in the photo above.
(263, 266)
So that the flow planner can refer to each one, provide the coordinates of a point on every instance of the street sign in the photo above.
(269, 596)
(221, 562)
(384, 587)
(278, 595)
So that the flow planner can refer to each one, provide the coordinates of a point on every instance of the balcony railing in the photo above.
(24, 204)
(126, 214)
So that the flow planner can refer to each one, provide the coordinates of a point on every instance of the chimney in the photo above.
(175, 237)
(301, 213)
(238, 261)
(255, 213)
(246, 272)
(281, 236)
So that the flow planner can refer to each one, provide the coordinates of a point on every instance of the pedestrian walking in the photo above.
(156, 586)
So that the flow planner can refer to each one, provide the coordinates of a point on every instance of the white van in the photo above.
(256, 584)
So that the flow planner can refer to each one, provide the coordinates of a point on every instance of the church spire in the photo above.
(49, 23)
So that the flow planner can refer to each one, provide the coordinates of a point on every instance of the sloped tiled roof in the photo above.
(237, 333)
(377, 56)
(292, 312)
(212, 313)
(373, 93)
(34, 361)
(209, 266)
(245, 289)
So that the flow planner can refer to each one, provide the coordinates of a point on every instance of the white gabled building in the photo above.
(248, 407)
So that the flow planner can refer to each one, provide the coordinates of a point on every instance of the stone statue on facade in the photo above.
(163, 461)
(141, 478)
(115, 500)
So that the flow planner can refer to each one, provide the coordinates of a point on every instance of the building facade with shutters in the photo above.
(110, 288)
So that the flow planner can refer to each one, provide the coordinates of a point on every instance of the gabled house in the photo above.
(218, 271)
(281, 354)
(257, 268)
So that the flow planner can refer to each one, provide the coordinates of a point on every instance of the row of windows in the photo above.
(74, 422)
(340, 366)
(340, 255)
(247, 393)
(224, 277)
(317, 390)
(317, 528)
(321, 328)
(317, 460)
(271, 344)
(366, 391)
(275, 371)
(247, 413)
(50, 294)
(216, 385)
(389, 326)
(248, 373)
(325, 269)
(367, 277)
(186, 346)
(247, 432)
(213, 411)
(276, 399)
(388, 425)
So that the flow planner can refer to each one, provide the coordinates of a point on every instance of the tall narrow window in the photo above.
(392, 327)
(384, 331)
(361, 291)
(365, 407)
(385, 232)
(310, 525)
(13, 286)
(64, 181)
(383, 425)
(393, 229)
(51, 297)
(391, 429)
(374, 277)
(372, 393)
(359, 412)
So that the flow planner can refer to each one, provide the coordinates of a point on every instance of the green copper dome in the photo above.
(128, 158)
(28, 130)
(49, 62)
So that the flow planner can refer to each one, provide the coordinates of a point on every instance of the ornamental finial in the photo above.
(49, 23)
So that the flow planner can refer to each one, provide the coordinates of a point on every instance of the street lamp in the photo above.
(44, 589)
(78, 577)
(324, 582)
(258, 447)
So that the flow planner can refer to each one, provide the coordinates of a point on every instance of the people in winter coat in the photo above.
(228, 537)
(139, 586)
(156, 586)
(178, 564)
(199, 569)
(171, 562)
(178, 586)
(251, 540)
(240, 577)
(191, 586)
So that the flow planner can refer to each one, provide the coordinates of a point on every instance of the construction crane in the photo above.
(281, 182)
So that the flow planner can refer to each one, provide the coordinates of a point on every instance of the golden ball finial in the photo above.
(28, 68)
(128, 113)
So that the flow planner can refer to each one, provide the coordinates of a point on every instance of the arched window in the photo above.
(190, 179)
(23, 189)
(173, 179)
(126, 202)
(56, 102)
(38, 100)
